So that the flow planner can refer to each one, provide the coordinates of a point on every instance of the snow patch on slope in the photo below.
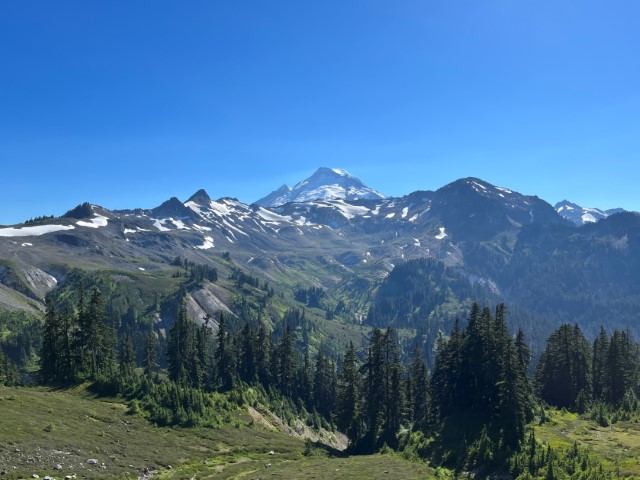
(349, 211)
(442, 234)
(159, 224)
(208, 243)
(33, 231)
(96, 222)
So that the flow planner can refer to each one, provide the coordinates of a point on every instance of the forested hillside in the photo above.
(471, 412)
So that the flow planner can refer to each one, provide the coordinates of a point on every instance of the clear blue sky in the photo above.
(125, 104)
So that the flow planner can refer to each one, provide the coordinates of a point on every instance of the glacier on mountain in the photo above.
(324, 184)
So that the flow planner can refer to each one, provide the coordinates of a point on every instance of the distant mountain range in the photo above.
(562, 264)
(580, 215)
(328, 184)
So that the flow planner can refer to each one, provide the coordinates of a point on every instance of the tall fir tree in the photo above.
(599, 365)
(203, 357)
(418, 388)
(50, 370)
(324, 385)
(374, 401)
(264, 354)
(348, 395)
(9, 375)
(223, 358)
(248, 361)
(181, 349)
(287, 365)
(394, 390)
(127, 358)
(150, 358)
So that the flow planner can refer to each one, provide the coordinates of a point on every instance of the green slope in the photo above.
(41, 428)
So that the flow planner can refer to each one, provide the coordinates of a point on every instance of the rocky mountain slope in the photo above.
(344, 239)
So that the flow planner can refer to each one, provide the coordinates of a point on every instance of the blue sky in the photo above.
(125, 104)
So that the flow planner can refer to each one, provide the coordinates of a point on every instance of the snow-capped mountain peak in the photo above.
(341, 172)
(324, 184)
(579, 215)
(582, 215)
(277, 197)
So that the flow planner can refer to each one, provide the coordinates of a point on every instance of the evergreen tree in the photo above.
(287, 364)
(511, 416)
(599, 364)
(446, 378)
(8, 372)
(564, 370)
(203, 355)
(621, 367)
(150, 359)
(264, 353)
(305, 382)
(383, 404)
(484, 356)
(523, 357)
(127, 357)
(374, 398)
(418, 390)
(108, 351)
(3, 369)
(95, 340)
(56, 360)
(248, 362)
(394, 389)
(223, 358)
(348, 395)
(69, 370)
(472, 361)
(181, 351)
(324, 385)
(50, 368)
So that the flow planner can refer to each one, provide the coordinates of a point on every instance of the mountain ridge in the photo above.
(488, 234)
(583, 215)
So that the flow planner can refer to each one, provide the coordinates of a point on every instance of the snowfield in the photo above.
(159, 224)
(348, 211)
(96, 222)
(33, 231)
(208, 243)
